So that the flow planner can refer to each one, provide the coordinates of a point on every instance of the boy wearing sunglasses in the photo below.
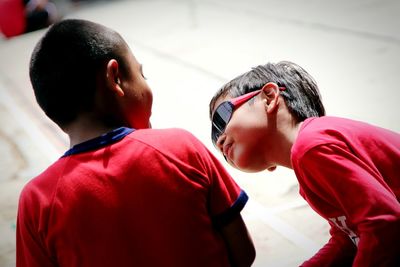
(123, 194)
(348, 171)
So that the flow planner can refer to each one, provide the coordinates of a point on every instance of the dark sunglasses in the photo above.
(223, 113)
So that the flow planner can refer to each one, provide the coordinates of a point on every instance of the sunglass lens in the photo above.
(220, 119)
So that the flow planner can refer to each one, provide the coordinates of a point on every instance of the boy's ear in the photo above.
(271, 94)
(113, 77)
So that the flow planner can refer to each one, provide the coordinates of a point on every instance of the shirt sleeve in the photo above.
(30, 251)
(226, 199)
(341, 179)
(339, 251)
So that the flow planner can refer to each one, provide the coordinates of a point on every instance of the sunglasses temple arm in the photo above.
(241, 99)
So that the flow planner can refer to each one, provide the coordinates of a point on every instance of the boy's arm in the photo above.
(226, 201)
(239, 243)
(367, 202)
(29, 249)
(339, 251)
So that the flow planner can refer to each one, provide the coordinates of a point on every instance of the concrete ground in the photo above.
(189, 48)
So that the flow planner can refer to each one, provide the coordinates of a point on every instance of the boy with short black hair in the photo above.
(123, 194)
(348, 171)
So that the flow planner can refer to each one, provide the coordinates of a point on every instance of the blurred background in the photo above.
(189, 49)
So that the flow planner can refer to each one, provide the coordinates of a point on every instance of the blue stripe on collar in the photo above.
(101, 141)
(229, 215)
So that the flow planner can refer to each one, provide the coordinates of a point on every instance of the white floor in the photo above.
(189, 49)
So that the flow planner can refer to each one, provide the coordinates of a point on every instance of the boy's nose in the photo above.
(220, 142)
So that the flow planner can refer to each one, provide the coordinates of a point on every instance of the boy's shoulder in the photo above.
(329, 130)
(170, 141)
(324, 130)
(332, 128)
(173, 141)
(327, 123)
(38, 192)
(164, 133)
(168, 137)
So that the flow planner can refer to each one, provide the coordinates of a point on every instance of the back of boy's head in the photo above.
(301, 92)
(65, 63)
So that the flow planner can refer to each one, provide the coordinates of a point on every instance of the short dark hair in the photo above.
(64, 65)
(301, 95)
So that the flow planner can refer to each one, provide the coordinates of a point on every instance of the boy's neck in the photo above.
(86, 128)
(292, 135)
(288, 130)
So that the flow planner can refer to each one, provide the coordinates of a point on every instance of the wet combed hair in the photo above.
(301, 94)
(64, 65)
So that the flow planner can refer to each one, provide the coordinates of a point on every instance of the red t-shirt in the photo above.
(349, 173)
(12, 17)
(142, 198)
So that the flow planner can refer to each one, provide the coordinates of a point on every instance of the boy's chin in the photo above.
(248, 168)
